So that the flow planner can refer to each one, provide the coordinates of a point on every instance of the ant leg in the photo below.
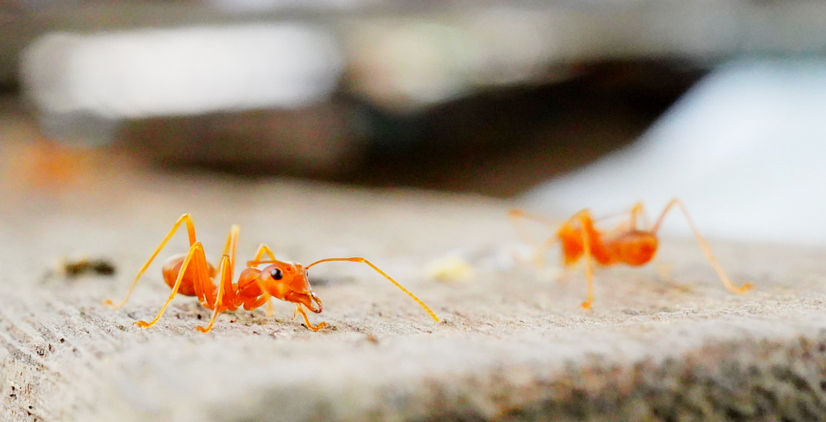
(264, 249)
(225, 274)
(190, 227)
(637, 211)
(196, 248)
(299, 310)
(362, 260)
(636, 214)
(259, 302)
(270, 311)
(703, 246)
(230, 294)
(589, 265)
(204, 288)
(538, 255)
(231, 247)
(515, 215)
(202, 284)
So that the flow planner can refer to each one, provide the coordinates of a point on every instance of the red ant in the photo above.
(192, 275)
(627, 244)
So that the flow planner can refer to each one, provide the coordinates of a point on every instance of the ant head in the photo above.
(288, 281)
(636, 247)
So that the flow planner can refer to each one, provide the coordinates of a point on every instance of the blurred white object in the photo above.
(184, 71)
(745, 149)
(409, 64)
(247, 6)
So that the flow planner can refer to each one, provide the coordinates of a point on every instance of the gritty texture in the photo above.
(662, 342)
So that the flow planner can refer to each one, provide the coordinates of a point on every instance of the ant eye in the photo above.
(276, 273)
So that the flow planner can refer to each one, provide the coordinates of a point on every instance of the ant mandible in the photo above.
(629, 243)
(192, 275)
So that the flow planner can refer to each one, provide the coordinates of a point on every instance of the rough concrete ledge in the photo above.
(513, 344)
(732, 381)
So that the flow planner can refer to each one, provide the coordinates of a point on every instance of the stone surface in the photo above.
(513, 342)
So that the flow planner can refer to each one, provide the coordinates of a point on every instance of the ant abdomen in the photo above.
(635, 247)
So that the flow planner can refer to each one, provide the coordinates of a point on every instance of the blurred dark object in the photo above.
(490, 98)
(499, 142)
(505, 141)
(73, 268)
(87, 266)
(316, 140)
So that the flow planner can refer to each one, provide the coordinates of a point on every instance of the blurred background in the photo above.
(555, 106)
